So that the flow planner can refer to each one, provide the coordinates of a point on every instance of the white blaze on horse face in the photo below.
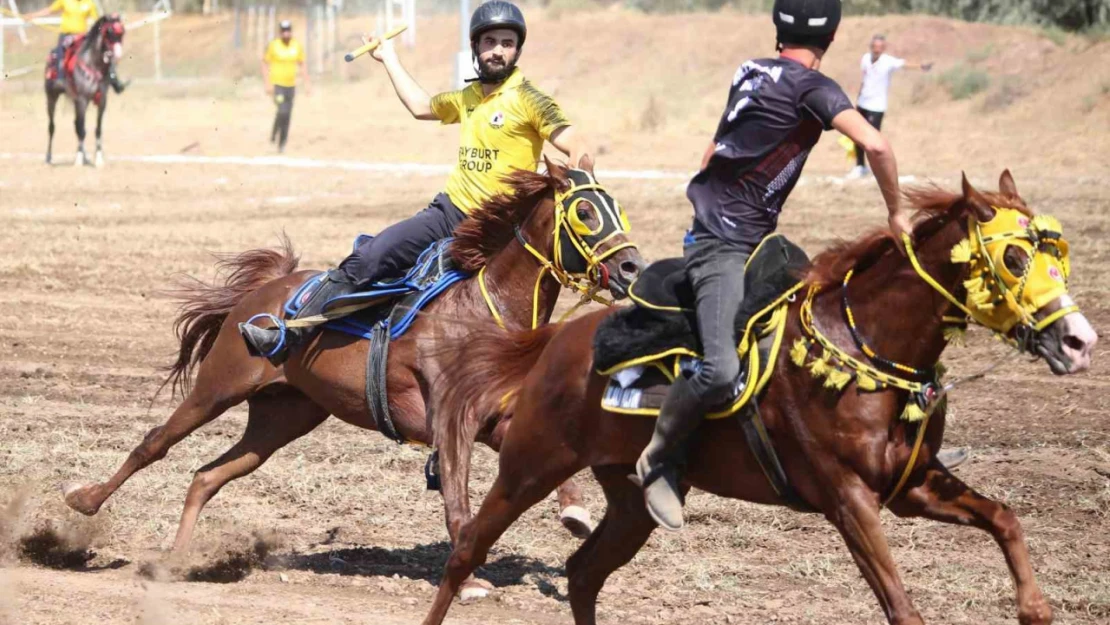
(1078, 338)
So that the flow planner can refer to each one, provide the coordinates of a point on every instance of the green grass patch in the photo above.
(963, 82)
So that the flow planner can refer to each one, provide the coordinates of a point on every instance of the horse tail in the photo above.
(204, 307)
(484, 371)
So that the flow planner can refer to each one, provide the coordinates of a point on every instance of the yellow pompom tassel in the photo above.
(819, 367)
(955, 335)
(799, 352)
(866, 382)
(962, 252)
(837, 379)
(974, 285)
(913, 413)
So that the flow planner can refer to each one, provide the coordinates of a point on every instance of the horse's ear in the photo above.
(976, 201)
(557, 172)
(1006, 185)
(586, 163)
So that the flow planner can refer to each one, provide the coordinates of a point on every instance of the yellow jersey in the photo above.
(283, 59)
(500, 132)
(76, 15)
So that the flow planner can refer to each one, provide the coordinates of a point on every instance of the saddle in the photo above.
(383, 313)
(643, 348)
(68, 61)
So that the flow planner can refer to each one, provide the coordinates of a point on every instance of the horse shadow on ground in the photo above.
(424, 562)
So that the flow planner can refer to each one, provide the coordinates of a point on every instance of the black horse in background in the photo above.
(84, 78)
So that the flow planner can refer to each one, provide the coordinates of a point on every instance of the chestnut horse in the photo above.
(328, 376)
(842, 451)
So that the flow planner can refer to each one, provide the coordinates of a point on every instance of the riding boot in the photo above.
(275, 345)
(658, 468)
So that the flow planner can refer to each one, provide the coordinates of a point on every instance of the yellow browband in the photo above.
(587, 283)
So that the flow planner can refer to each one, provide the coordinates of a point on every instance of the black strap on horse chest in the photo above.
(764, 451)
(377, 396)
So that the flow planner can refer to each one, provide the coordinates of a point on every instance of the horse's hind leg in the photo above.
(527, 474)
(227, 377)
(51, 106)
(855, 512)
(943, 497)
(620, 535)
(274, 421)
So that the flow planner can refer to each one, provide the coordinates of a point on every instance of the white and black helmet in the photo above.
(806, 22)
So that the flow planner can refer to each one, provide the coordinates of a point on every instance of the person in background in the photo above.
(76, 17)
(279, 71)
(877, 67)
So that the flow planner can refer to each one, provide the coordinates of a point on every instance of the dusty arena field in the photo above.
(337, 527)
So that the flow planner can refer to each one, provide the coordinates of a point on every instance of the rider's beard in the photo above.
(496, 70)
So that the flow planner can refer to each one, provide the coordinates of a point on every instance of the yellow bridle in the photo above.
(612, 222)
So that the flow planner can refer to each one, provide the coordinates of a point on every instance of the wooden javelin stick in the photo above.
(374, 43)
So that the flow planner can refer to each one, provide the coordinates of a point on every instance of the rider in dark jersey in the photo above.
(777, 109)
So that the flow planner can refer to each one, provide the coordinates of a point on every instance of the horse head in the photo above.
(1016, 281)
(591, 244)
(106, 34)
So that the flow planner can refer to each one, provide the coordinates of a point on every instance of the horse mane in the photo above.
(933, 207)
(92, 32)
(492, 226)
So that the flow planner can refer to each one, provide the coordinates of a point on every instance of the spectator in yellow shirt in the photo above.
(279, 71)
(76, 16)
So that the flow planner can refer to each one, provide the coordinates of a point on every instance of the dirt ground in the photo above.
(337, 527)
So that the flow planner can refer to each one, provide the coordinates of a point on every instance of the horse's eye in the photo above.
(1016, 259)
(583, 214)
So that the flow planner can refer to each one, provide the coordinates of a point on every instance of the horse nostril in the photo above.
(1074, 343)
(630, 270)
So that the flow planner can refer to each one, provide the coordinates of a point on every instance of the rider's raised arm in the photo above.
(567, 140)
(55, 7)
(412, 95)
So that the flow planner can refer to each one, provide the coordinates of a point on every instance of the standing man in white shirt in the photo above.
(877, 67)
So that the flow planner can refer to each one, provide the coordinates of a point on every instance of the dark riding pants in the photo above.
(715, 269)
(395, 249)
(876, 120)
(60, 52)
(283, 98)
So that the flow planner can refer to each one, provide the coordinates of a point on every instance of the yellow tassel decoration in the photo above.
(837, 379)
(962, 252)
(866, 382)
(955, 335)
(818, 367)
(799, 352)
(913, 413)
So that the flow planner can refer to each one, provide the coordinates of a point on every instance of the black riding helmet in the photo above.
(806, 22)
(498, 14)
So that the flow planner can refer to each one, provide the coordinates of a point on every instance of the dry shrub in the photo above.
(1006, 94)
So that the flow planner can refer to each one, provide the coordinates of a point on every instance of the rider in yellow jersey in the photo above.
(76, 17)
(279, 71)
(505, 121)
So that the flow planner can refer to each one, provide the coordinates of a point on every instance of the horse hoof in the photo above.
(474, 590)
(75, 495)
(99, 160)
(577, 521)
(79, 160)
(1037, 613)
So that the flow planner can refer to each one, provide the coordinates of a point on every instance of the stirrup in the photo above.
(279, 325)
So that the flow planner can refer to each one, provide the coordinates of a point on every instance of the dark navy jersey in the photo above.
(777, 110)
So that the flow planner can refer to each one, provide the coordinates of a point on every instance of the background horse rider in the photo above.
(279, 72)
(505, 121)
(777, 110)
(76, 16)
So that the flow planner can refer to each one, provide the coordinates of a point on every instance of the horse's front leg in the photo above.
(855, 512)
(80, 105)
(51, 106)
(103, 104)
(942, 497)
